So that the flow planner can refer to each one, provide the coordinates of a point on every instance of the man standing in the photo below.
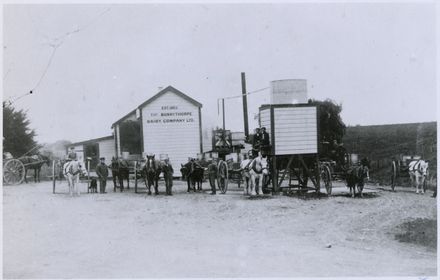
(168, 175)
(102, 172)
(212, 174)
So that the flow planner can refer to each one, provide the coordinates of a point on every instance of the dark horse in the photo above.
(193, 173)
(151, 172)
(121, 170)
(34, 162)
(356, 177)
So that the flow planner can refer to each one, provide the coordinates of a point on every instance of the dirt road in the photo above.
(126, 235)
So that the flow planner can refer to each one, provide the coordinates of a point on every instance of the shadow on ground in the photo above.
(420, 231)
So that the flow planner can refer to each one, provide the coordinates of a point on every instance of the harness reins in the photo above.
(70, 168)
(417, 167)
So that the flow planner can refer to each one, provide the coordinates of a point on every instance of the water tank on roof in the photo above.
(290, 91)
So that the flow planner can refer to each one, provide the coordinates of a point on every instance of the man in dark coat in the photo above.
(102, 172)
(265, 142)
(168, 171)
(256, 142)
(212, 174)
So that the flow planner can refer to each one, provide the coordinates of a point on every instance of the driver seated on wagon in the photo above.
(265, 142)
(337, 153)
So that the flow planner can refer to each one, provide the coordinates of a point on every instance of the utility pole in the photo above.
(223, 108)
(245, 111)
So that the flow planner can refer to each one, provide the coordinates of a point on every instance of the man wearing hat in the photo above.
(256, 142)
(212, 174)
(265, 142)
(168, 171)
(102, 172)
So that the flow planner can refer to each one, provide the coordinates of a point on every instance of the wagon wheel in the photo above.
(222, 176)
(326, 179)
(13, 172)
(393, 174)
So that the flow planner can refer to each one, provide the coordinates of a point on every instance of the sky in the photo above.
(89, 65)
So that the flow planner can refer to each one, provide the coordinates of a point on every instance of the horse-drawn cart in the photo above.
(294, 133)
(400, 170)
(228, 171)
(13, 171)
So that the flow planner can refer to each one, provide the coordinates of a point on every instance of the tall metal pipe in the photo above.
(245, 111)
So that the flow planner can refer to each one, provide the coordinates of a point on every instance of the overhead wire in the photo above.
(55, 44)
(238, 96)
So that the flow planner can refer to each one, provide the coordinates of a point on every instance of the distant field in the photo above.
(382, 143)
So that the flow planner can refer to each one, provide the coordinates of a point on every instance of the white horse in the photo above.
(71, 170)
(417, 172)
(258, 168)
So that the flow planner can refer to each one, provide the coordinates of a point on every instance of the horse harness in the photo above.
(417, 167)
(69, 171)
(253, 165)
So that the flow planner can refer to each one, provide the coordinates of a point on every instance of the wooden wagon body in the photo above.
(294, 135)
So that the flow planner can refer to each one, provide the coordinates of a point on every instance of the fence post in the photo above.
(53, 176)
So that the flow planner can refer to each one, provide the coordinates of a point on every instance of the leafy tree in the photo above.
(331, 126)
(18, 138)
(130, 132)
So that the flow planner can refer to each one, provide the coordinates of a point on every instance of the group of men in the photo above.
(261, 142)
(103, 174)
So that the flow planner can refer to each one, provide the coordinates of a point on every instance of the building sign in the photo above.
(169, 115)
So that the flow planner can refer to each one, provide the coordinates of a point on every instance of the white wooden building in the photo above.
(169, 123)
(95, 149)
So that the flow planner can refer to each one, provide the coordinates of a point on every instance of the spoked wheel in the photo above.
(326, 179)
(393, 174)
(13, 172)
(222, 176)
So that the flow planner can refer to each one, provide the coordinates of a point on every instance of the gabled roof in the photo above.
(159, 94)
(173, 90)
(91, 141)
(124, 117)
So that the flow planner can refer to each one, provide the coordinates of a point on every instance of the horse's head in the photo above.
(260, 165)
(419, 166)
(424, 167)
(265, 166)
(45, 159)
(150, 164)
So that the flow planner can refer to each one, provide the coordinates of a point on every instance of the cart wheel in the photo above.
(13, 172)
(222, 176)
(326, 179)
(393, 175)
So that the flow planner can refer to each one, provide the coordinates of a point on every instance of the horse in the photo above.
(151, 172)
(356, 176)
(417, 172)
(193, 173)
(244, 167)
(71, 171)
(258, 169)
(34, 162)
(196, 175)
(120, 169)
